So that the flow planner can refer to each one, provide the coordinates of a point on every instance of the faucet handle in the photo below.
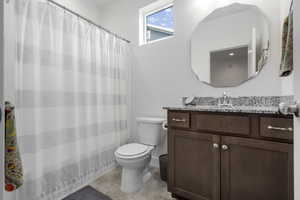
(219, 101)
(225, 100)
(229, 101)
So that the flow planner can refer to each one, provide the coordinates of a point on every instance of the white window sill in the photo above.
(158, 40)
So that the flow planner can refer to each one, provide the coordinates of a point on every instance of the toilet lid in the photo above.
(133, 149)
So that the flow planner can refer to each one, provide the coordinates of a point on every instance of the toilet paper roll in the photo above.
(165, 125)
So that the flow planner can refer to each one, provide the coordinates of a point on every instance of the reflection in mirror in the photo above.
(230, 45)
(229, 67)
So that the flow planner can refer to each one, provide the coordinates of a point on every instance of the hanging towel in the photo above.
(13, 164)
(287, 63)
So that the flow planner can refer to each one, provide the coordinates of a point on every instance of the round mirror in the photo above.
(230, 46)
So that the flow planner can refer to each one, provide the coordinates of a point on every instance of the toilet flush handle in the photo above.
(165, 125)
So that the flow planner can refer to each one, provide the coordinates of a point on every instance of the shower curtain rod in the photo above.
(89, 21)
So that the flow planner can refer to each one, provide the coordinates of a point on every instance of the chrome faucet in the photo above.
(224, 101)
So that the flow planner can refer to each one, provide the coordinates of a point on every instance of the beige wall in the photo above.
(86, 8)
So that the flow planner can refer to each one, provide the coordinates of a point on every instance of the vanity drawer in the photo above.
(179, 119)
(281, 128)
(221, 123)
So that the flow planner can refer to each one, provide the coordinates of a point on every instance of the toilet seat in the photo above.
(133, 150)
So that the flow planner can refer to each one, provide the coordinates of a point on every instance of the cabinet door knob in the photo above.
(225, 147)
(216, 146)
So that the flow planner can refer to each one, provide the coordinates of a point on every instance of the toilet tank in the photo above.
(149, 130)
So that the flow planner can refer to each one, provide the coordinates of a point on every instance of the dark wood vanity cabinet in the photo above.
(223, 156)
(256, 169)
(189, 151)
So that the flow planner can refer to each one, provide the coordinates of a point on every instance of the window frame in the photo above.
(149, 10)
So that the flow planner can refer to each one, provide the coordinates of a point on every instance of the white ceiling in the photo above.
(102, 2)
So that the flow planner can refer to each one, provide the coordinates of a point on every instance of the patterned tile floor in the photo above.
(154, 189)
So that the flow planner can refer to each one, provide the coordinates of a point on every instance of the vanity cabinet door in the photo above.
(194, 168)
(254, 169)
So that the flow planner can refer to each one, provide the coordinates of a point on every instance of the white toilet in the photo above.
(135, 157)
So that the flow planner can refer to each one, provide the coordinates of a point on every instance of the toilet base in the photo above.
(132, 180)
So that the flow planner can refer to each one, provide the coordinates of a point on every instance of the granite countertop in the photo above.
(243, 104)
(236, 109)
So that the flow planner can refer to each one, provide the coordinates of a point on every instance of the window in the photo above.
(156, 21)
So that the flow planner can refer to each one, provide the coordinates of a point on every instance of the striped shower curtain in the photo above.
(71, 96)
